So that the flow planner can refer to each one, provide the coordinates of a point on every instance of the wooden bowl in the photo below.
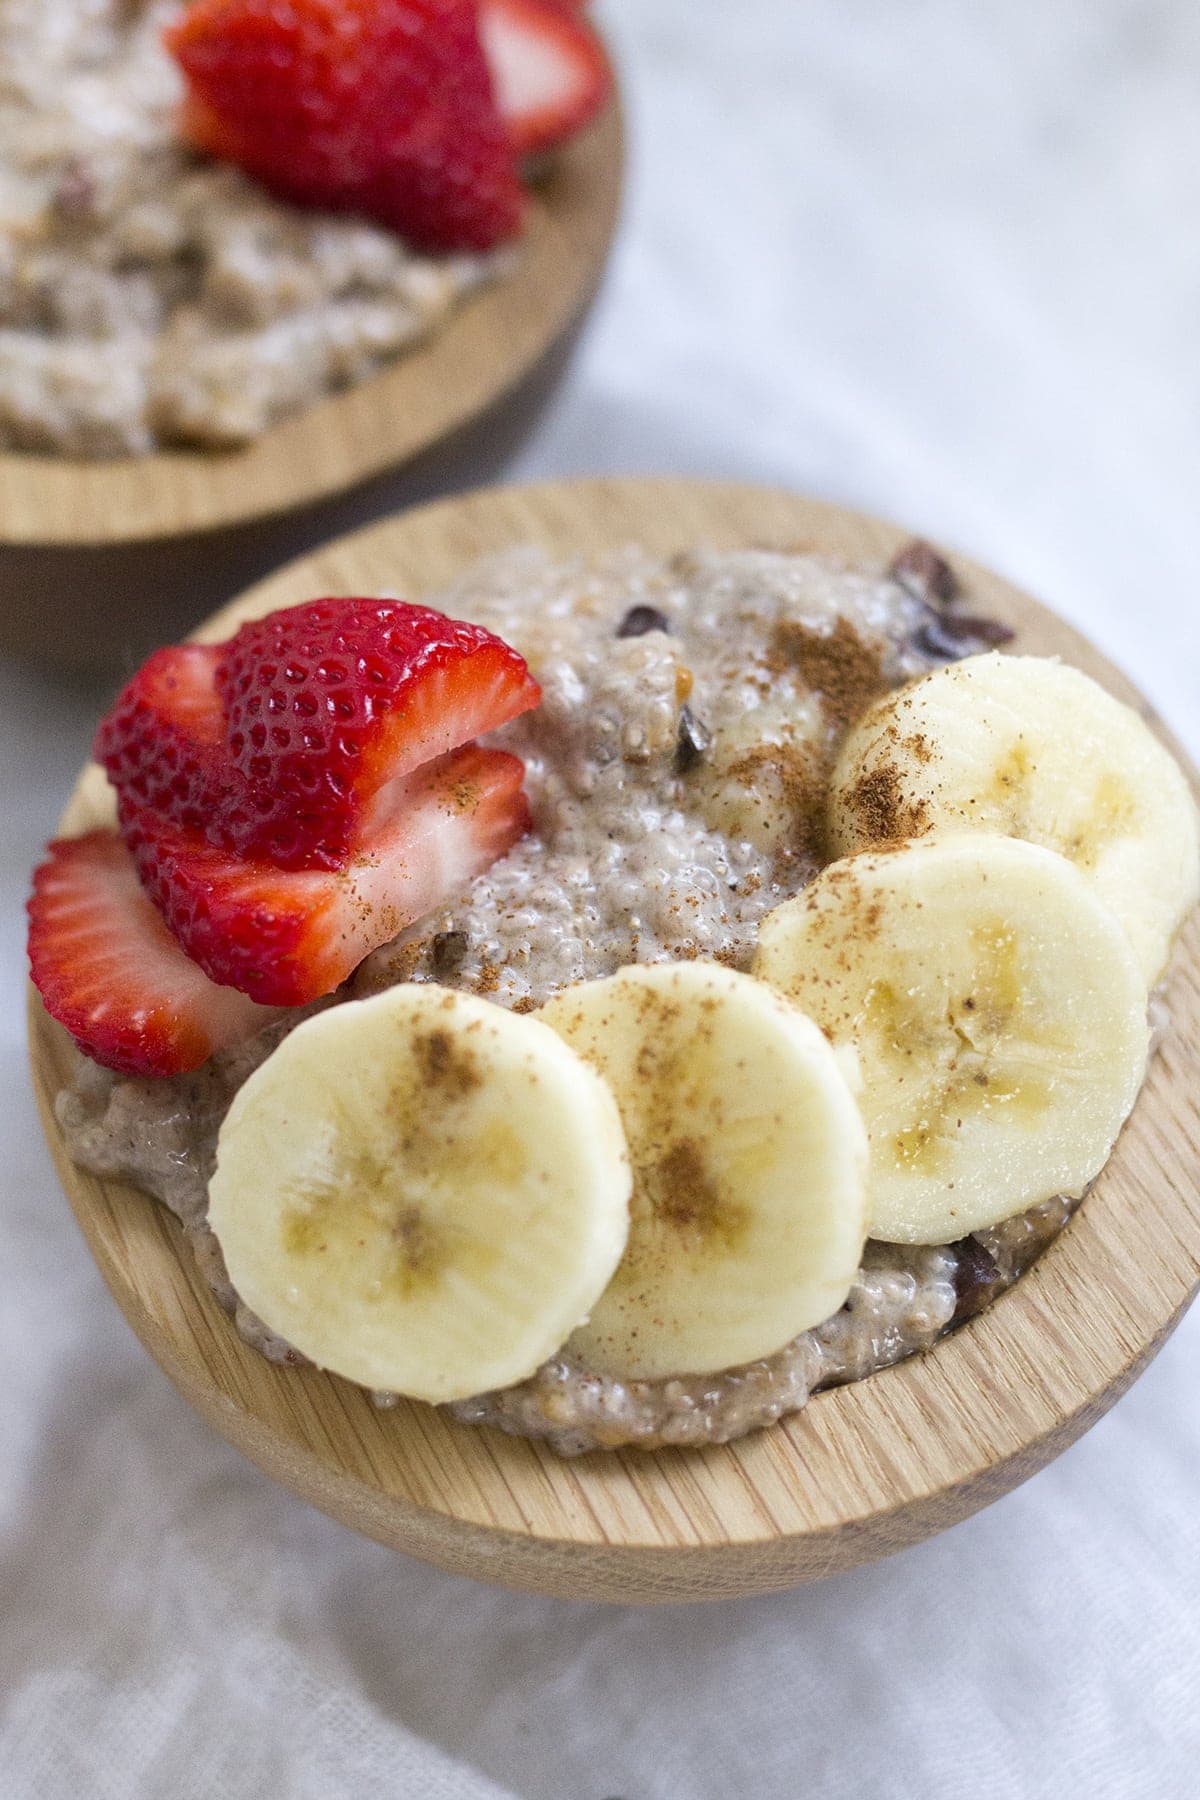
(482, 352)
(863, 1470)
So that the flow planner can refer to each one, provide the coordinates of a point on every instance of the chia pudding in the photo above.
(148, 297)
(677, 770)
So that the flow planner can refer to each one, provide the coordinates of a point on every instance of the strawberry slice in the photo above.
(376, 106)
(163, 743)
(328, 703)
(550, 72)
(287, 936)
(109, 970)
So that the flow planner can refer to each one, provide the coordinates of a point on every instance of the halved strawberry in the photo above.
(376, 106)
(287, 936)
(328, 703)
(550, 71)
(108, 969)
(162, 743)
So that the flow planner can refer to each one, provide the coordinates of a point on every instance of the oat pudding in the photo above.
(677, 769)
(150, 297)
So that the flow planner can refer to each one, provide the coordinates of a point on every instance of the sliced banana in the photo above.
(422, 1192)
(749, 1159)
(1031, 747)
(998, 1012)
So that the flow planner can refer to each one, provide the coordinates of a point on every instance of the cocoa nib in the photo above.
(75, 195)
(949, 636)
(693, 740)
(926, 575)
(641, 619)
(447, 951)
(976, 1279)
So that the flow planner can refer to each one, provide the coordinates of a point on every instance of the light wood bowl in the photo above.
(481, 353)
(865, 1469)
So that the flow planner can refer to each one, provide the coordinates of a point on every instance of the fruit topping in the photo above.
(292, 799)
(1031, 747)
(749, 1164)
(549, 70)
(422, 1192)
(998, 1014)
(108, 969)
(328, 703)
(283, 742)
(383, 107)
(162, 744)
(286, 936)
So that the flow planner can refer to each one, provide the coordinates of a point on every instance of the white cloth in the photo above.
(941, 261)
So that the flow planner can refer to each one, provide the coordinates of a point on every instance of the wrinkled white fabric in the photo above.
(943, 262)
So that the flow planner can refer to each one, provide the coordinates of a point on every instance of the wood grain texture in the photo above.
(485, 348)
(865, 1469)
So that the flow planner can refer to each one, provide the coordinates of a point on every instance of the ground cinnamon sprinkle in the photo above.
(837, 664)
(919, 745)
(488, 979)
(445, 1065)
(803, 787)
(406, 960)
(881, 809)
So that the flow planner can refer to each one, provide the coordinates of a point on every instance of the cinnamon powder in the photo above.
(881, 808)
(846, 672)
(803, 786)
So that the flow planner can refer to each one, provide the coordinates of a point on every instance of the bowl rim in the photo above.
(490, 342)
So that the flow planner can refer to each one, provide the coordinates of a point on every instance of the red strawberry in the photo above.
(286, 937)
(549, 70)
(329, 702)
(402, 683)
(162, 744)
(377, 106)
(109, 970)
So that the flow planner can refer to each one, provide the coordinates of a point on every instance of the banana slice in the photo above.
(998, 1012)
(749, 1161)
(422, 1192)
(1031, 747)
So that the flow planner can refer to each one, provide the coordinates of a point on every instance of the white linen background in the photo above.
(941, 261)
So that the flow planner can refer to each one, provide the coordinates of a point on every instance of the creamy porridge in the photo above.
(676, 770)
(148, 297)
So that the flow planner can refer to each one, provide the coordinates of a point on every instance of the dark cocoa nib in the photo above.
(693, 740)
(447, 951)
(949, 636)
(925, 574)
(75, 195)
(976, 1279)
(641, 619)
